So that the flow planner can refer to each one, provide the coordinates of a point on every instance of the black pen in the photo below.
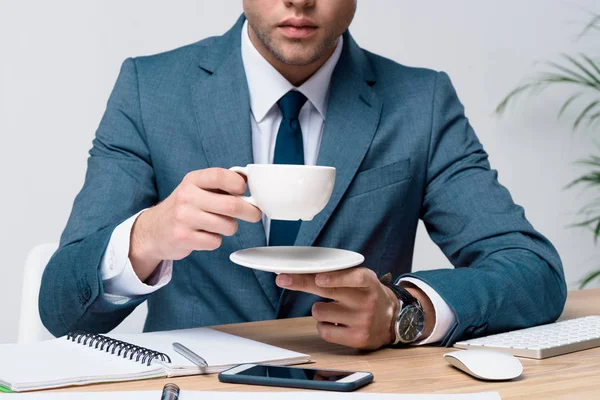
(170, 392)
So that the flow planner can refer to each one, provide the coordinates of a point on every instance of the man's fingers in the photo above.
(199, 220)
(214, 190)
(346, 336)
(200, 240)
(358, 277)
(306, 283)
(217, 178)
(299, 282)
(214, 223)
(333, 333)
(338, 334)
(334, 313)
(228, 205)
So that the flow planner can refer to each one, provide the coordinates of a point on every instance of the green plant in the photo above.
(581, 73)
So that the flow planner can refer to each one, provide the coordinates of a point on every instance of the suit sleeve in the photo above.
(507, 275)
(119, 182)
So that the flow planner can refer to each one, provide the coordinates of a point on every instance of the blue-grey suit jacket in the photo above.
(403, 150)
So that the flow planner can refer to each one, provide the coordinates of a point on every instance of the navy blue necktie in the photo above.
(288, 150)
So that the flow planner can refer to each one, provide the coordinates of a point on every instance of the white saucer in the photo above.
(296, 259)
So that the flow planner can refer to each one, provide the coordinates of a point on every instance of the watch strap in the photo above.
(403, 295)
(405, 299)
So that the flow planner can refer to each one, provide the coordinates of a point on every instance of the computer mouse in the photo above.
(489, 365)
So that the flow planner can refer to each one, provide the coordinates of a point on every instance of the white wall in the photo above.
(59, 60)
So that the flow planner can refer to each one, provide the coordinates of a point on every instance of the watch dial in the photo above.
(411, 324)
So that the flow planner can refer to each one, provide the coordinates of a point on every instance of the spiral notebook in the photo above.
(81, 359)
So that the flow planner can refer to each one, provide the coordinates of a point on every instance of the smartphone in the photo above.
(305, 378)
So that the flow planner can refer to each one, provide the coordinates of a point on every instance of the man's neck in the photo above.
(295, 74)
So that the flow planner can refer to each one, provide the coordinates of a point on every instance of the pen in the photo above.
(170, 392)
(190, 355)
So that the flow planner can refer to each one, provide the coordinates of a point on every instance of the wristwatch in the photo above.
(410, 321)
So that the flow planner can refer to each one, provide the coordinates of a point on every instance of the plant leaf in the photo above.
(568, 103)
(589, 278)
(597, 232)
(583, 224)
(501, 107)
(591, 63)
(593, 24)
(590, 179)
(539, 84)
(573, 74)
(582, 68)
(593, 119)
(589, 108)
(591, 160)
(551, 78)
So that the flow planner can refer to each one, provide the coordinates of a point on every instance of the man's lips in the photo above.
(298, 28)
(293, 32)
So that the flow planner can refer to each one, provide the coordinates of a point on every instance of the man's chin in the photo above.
(297, 58)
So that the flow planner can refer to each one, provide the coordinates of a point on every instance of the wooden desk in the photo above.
(411, 370)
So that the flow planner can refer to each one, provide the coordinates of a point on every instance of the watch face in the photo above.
(410, 324)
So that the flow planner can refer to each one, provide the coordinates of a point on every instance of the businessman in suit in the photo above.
(158, 217)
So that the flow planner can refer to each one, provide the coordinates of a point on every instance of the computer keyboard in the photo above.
(543, 341)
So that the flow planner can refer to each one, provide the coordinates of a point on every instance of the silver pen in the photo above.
(190, 355)
(170, 392)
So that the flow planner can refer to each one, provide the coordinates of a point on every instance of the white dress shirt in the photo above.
(266, 86)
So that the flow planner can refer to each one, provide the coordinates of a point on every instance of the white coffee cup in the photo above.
(288, 192)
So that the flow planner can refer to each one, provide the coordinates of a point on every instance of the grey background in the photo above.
(59, 61)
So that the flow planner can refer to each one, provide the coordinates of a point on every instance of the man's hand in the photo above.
(363, 312)
(201, 209)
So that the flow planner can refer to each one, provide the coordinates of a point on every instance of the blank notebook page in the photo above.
(217, 348)
(61, 360)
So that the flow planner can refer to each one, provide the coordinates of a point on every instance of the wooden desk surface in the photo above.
(411, 370)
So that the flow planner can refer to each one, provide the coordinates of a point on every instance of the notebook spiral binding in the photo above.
(117, 347)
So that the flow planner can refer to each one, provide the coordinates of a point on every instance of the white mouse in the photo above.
(489, 365)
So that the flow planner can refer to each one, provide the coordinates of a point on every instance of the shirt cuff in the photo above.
(120, 280)
(444, 316)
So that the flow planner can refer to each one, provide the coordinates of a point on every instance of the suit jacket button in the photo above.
(481, 329)
(84, 291)
(469, 331)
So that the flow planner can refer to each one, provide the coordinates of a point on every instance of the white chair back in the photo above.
(31, 328)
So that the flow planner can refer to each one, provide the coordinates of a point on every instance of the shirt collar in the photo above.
(266, 85)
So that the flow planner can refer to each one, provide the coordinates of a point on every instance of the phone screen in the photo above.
(295, 373)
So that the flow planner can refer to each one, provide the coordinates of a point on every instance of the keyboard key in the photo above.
(545, 340)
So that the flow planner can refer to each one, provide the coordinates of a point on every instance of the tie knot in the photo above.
(291, 103)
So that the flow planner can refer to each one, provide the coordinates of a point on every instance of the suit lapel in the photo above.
(352, 118)
(222, 108)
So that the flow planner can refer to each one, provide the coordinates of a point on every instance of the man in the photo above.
(290, 85)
